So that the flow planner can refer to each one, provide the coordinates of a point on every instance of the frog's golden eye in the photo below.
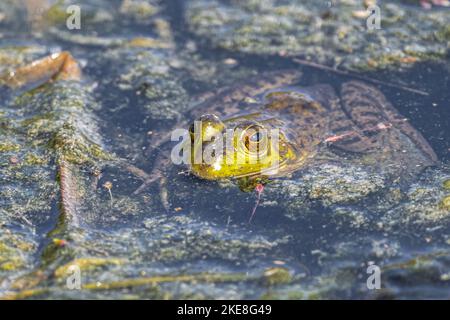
(254, 139)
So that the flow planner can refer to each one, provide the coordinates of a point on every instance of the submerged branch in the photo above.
(357, 76)
(58, 66)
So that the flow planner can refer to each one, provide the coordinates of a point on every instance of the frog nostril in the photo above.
(192, 128)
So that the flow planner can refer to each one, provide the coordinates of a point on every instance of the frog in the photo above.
(360, 120)
(356, 123)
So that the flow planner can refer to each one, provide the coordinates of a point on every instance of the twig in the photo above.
(354, 75)
(259, 189)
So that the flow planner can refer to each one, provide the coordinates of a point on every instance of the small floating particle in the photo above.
(146, 199)
(279, 262)
(250, 100)
(96, 172)
(408, 59)
(372, 63)
(108, 185)
(445, 277)
(176, 64)
(230, 61)
(360, 14)
(178, 209)
(428, 4)
(369, 3)
(14, 160)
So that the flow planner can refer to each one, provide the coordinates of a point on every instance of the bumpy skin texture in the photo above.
(359, 123)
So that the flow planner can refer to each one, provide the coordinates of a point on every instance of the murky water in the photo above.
(145, 64)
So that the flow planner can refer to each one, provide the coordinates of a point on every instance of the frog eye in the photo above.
(256, 137)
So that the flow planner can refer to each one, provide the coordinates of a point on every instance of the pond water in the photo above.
(74, 150)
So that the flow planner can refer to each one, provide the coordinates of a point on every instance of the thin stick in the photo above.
(259, 189)
(379, 127)
(146, 183)
(69, 192)
(354, 75)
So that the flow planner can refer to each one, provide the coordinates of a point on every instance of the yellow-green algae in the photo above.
(12, 248)
(138, 9)
(54, 124)
(8, 146)
(87, 264)
(32, 159)
(276, 276)
(39, 133)
(62, 108)
(446, 184)
(137, 282)
(445, 203)
(75, 148)
(334, 33)
(153, 283)
(25, 294)
(414, 263)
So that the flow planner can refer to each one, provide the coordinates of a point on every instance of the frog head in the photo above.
(242, 146)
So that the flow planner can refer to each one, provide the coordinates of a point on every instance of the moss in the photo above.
(38, 124)
(59, 110)
(151, 281)
(328, 35)
(445, 203)
(142, 42)
(446, 184)
(56, 14)
(25, 294)
(32, 159)
(8, 147)
(138, 9)
(5, 124)
(11, 253)
(74, 148)
(296, 295)
(314, 296)
(11, 265)
(269, 295)
(276, 276)
(443, 34)
(248, 184)
(418, 262)
(87, 264)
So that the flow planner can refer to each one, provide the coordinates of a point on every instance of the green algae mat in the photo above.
(92, 205)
